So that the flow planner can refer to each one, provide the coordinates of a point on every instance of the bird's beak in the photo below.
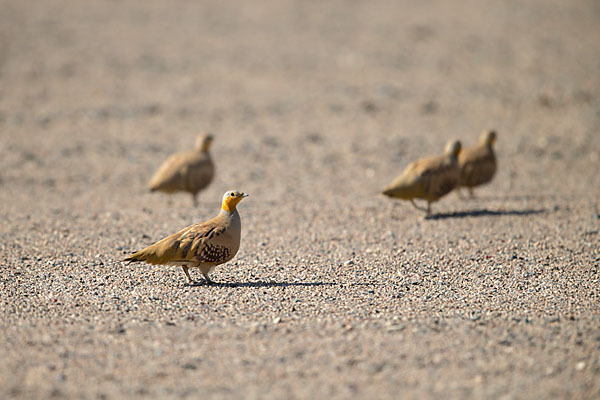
(245, 195)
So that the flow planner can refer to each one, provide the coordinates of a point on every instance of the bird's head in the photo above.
(453, 148)
(203, 142)
(488, 138)
(231, 199)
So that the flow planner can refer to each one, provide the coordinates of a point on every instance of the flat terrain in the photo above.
(337, 292)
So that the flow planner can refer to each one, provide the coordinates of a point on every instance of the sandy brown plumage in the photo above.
(478, 163)
(204, 245)
(189, 171)
(429, 178)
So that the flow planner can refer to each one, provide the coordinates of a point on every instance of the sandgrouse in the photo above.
(188, 171)
(204, 245)
(428, 178)
(478, 163)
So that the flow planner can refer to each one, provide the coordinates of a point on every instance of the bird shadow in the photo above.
(260, 284)
(485, 213)
(513, 197)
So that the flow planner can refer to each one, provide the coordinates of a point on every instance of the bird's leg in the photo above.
(428, 208)
(195, 199)
(185, 270)
(459, 193)
(412, 201)
(414, 204)
(471, 193)
(208, 280)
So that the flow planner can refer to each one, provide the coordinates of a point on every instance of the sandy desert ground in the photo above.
(337, 292)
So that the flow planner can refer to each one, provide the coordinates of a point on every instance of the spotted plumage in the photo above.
(214, 253)
(204, 245)
(429, 179)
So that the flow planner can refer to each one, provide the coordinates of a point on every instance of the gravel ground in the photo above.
(337, 292)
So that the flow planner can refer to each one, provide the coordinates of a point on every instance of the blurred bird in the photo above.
(189, 171)
(428, 178)
(478, 163)
(204, 245)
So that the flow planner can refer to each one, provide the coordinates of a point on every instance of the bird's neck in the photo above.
(227, 210)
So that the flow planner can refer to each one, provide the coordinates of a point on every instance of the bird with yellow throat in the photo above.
(204, 245)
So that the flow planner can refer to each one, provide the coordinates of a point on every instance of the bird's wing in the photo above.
(170, 175)
(191, 244)
(442, 180)
(438, 176)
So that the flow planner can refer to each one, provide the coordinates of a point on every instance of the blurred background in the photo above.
(96, 94)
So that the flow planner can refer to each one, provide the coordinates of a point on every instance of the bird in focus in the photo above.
(478, 163)
(188, 171)
(204, 245)
(428, 178)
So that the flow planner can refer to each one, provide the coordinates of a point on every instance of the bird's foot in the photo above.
(208, 280)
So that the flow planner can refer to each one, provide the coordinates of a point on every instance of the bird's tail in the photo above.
(154, 184)
(135, 257)
(398, 192)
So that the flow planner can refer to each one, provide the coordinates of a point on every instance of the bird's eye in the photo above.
(232, 194)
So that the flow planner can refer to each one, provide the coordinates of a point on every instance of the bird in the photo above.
(188, 171)
(204, 245)
(428, 178)
(478, 163)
